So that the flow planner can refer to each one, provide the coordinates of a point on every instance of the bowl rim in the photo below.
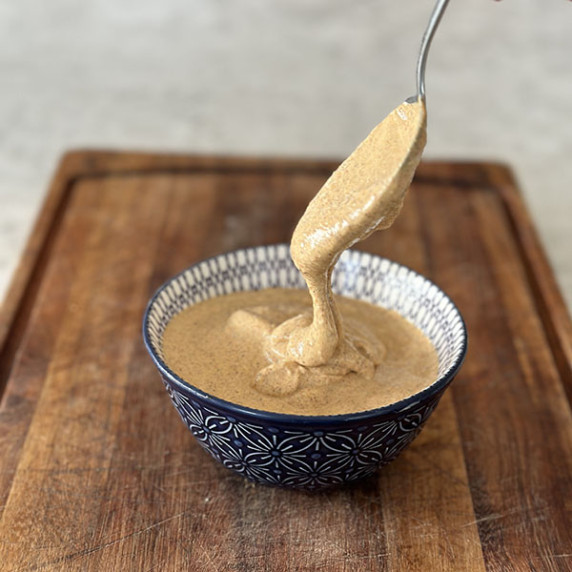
(272, 417)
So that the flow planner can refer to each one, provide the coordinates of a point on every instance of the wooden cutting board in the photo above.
(98, 472)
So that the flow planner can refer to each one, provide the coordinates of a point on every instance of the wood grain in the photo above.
(97, 471)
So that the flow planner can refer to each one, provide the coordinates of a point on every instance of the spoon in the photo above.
(434, 20)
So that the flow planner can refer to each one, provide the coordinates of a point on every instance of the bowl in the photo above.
(294, 451)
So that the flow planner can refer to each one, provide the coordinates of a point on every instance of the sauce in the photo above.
(220, 347)
(291, 352)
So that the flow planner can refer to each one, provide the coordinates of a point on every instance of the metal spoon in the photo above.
(434, 20)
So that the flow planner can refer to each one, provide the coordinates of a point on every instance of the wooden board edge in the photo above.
(548, 297)
(17, 302)
(94, 163)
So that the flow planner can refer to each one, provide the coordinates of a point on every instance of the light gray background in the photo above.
(288, 77)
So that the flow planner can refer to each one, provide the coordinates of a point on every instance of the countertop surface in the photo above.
(287, 78)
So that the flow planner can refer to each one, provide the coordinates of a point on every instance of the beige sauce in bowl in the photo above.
(290, 352)
(221, 346)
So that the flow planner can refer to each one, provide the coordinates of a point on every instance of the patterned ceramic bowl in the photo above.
(302, 452)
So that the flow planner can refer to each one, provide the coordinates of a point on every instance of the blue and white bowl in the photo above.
(306, 452)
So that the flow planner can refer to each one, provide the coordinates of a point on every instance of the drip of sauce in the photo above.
(364, 194)
(277, 350)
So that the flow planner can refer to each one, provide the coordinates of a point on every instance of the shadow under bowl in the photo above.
(294, 451)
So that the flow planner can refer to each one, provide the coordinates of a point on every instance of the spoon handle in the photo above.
(426, 43)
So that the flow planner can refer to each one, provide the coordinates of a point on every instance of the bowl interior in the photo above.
(357, 275)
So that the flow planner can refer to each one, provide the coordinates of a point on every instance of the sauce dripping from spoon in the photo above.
(364, 194)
